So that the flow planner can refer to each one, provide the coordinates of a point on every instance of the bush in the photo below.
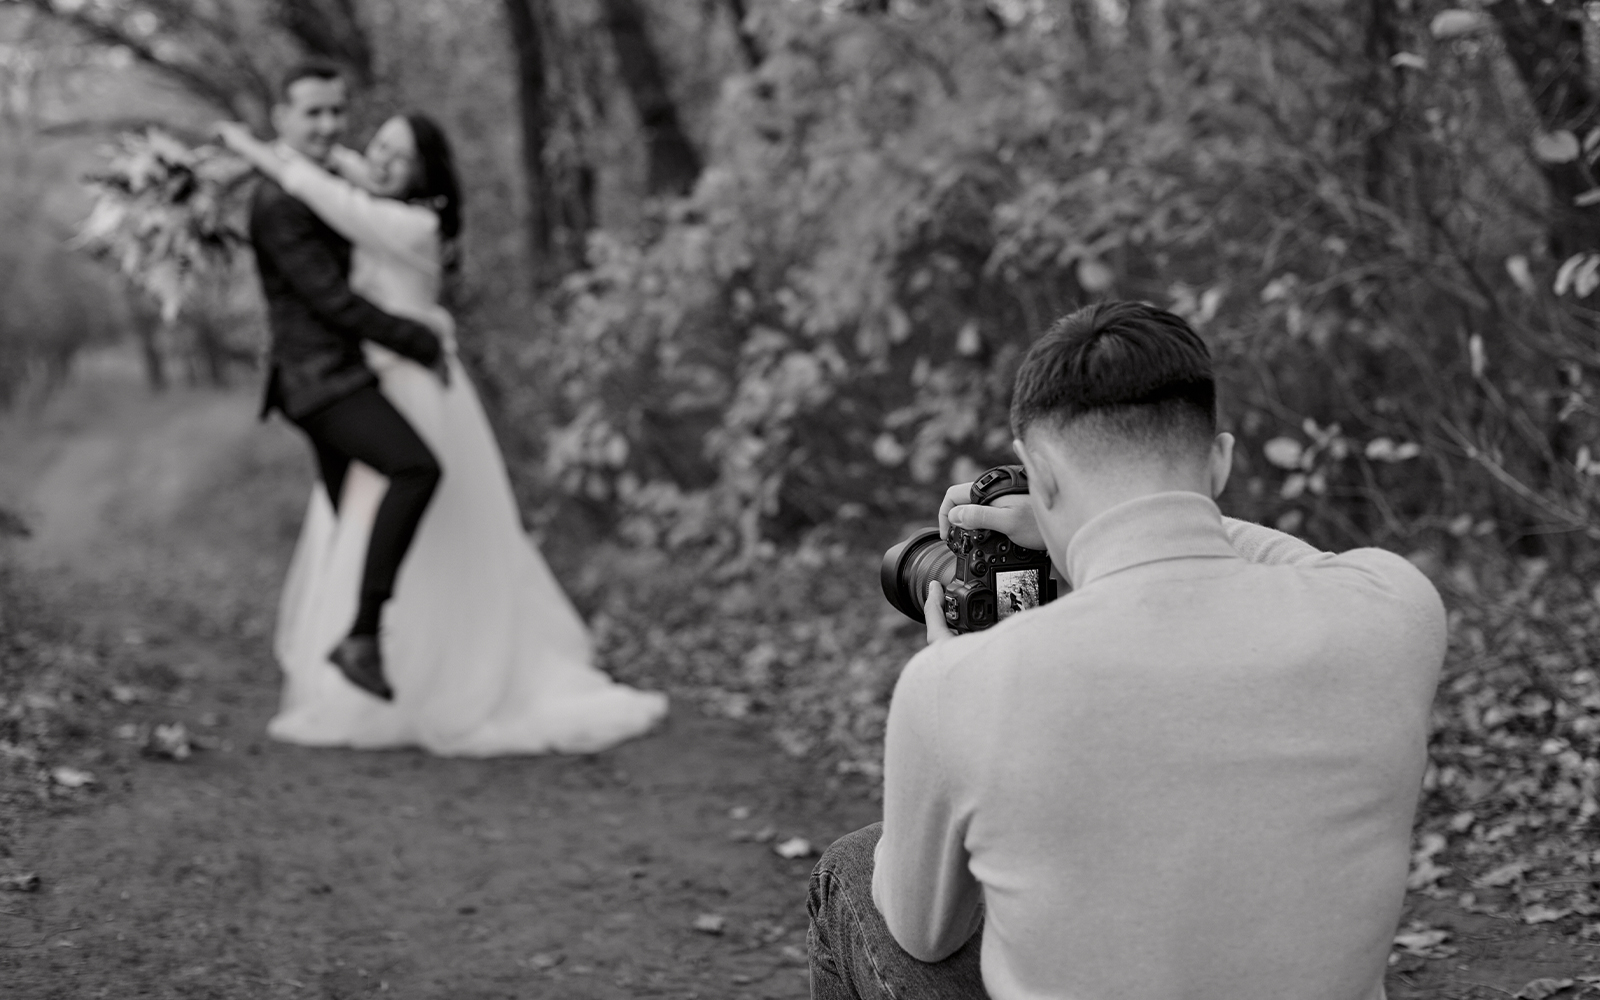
(828, 327)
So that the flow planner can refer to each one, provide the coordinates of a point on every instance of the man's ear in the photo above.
(1221, 462)
(1042, 482)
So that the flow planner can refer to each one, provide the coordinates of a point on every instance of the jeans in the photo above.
(365, 427)
(853, 956)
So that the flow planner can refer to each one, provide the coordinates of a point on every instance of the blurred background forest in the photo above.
(746, 282)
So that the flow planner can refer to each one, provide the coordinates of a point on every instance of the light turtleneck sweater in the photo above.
(1191, 778)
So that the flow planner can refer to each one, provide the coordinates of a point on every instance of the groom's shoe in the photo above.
(361, 662)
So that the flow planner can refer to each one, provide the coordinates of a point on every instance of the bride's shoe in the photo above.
(361, 662)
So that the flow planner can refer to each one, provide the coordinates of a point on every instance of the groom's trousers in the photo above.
(365, 427)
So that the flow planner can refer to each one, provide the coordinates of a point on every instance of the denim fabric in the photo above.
(853, 956)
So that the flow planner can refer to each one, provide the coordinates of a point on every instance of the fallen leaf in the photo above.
(71, 777)
(795, 847)
(710, 923)
(1504, 875)
(170, 742)
(1540, 989)
(546, 960)
(1423, 941)
(22, 882)
(1539, 913)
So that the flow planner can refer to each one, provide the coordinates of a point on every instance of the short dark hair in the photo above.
(1125, 370)
(309, 69)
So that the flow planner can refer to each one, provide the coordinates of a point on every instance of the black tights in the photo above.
(365, 427)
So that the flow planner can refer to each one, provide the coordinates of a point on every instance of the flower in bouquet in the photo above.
(167, 215)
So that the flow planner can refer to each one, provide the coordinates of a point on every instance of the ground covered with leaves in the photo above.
(1511, 810)
(58, 702)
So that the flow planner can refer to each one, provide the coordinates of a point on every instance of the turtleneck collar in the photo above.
(1154, 528)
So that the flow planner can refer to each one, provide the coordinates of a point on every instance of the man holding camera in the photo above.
(1194, 776)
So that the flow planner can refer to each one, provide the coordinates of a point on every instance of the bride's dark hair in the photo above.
(437, 185)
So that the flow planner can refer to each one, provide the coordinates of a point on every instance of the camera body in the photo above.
(986, 576)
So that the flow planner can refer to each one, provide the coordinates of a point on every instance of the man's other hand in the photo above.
(933, 613)
(1012, 516)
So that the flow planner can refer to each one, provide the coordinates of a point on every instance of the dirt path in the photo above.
(253, 869)
(256, 870)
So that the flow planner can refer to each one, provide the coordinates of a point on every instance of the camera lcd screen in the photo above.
(1018, 590)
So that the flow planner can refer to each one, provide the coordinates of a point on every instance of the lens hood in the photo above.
(893, 576)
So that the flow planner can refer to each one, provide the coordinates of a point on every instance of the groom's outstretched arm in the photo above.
(288, 231)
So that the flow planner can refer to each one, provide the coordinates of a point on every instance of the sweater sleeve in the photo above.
(381, 224)
(286, 231)
(1407, 585)
(920, 882)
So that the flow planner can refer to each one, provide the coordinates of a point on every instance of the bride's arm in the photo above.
(359, 216)
(237, 137)
(362, 218)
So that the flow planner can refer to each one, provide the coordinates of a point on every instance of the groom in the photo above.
(317, 375)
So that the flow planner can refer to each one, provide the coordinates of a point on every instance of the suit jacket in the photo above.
(317, 322)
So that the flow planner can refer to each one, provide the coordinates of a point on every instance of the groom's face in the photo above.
(311, 117)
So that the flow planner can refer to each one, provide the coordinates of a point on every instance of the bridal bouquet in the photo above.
(167, 215)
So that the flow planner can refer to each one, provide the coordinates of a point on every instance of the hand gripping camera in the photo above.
(987, 577)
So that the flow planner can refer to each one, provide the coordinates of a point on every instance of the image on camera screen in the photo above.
(1017, 590)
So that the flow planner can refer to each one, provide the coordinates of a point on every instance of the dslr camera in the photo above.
(987, 577)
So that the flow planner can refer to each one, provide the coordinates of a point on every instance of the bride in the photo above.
(486, 653)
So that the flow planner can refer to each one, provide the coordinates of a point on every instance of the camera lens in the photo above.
(909, 567)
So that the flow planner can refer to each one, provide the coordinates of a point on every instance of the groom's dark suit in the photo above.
(318, 376)
(317, 322)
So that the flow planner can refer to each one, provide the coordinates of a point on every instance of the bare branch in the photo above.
(103, 32)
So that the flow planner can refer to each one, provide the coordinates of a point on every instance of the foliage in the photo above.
(823, 334)
(827, 327)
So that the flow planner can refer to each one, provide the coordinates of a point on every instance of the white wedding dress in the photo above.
(486, 654)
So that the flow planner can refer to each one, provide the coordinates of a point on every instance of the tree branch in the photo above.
(202, 85)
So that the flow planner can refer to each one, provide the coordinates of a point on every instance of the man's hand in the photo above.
(933, 613)
(1012, 516)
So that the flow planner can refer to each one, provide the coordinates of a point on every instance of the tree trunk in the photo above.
(1546, 43)
(674, 164)
(1085, 22)
(559, 196)
(749, 44)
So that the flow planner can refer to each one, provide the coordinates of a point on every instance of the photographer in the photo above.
(1193, 776)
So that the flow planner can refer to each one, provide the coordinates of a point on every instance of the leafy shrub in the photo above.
(827, 328)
